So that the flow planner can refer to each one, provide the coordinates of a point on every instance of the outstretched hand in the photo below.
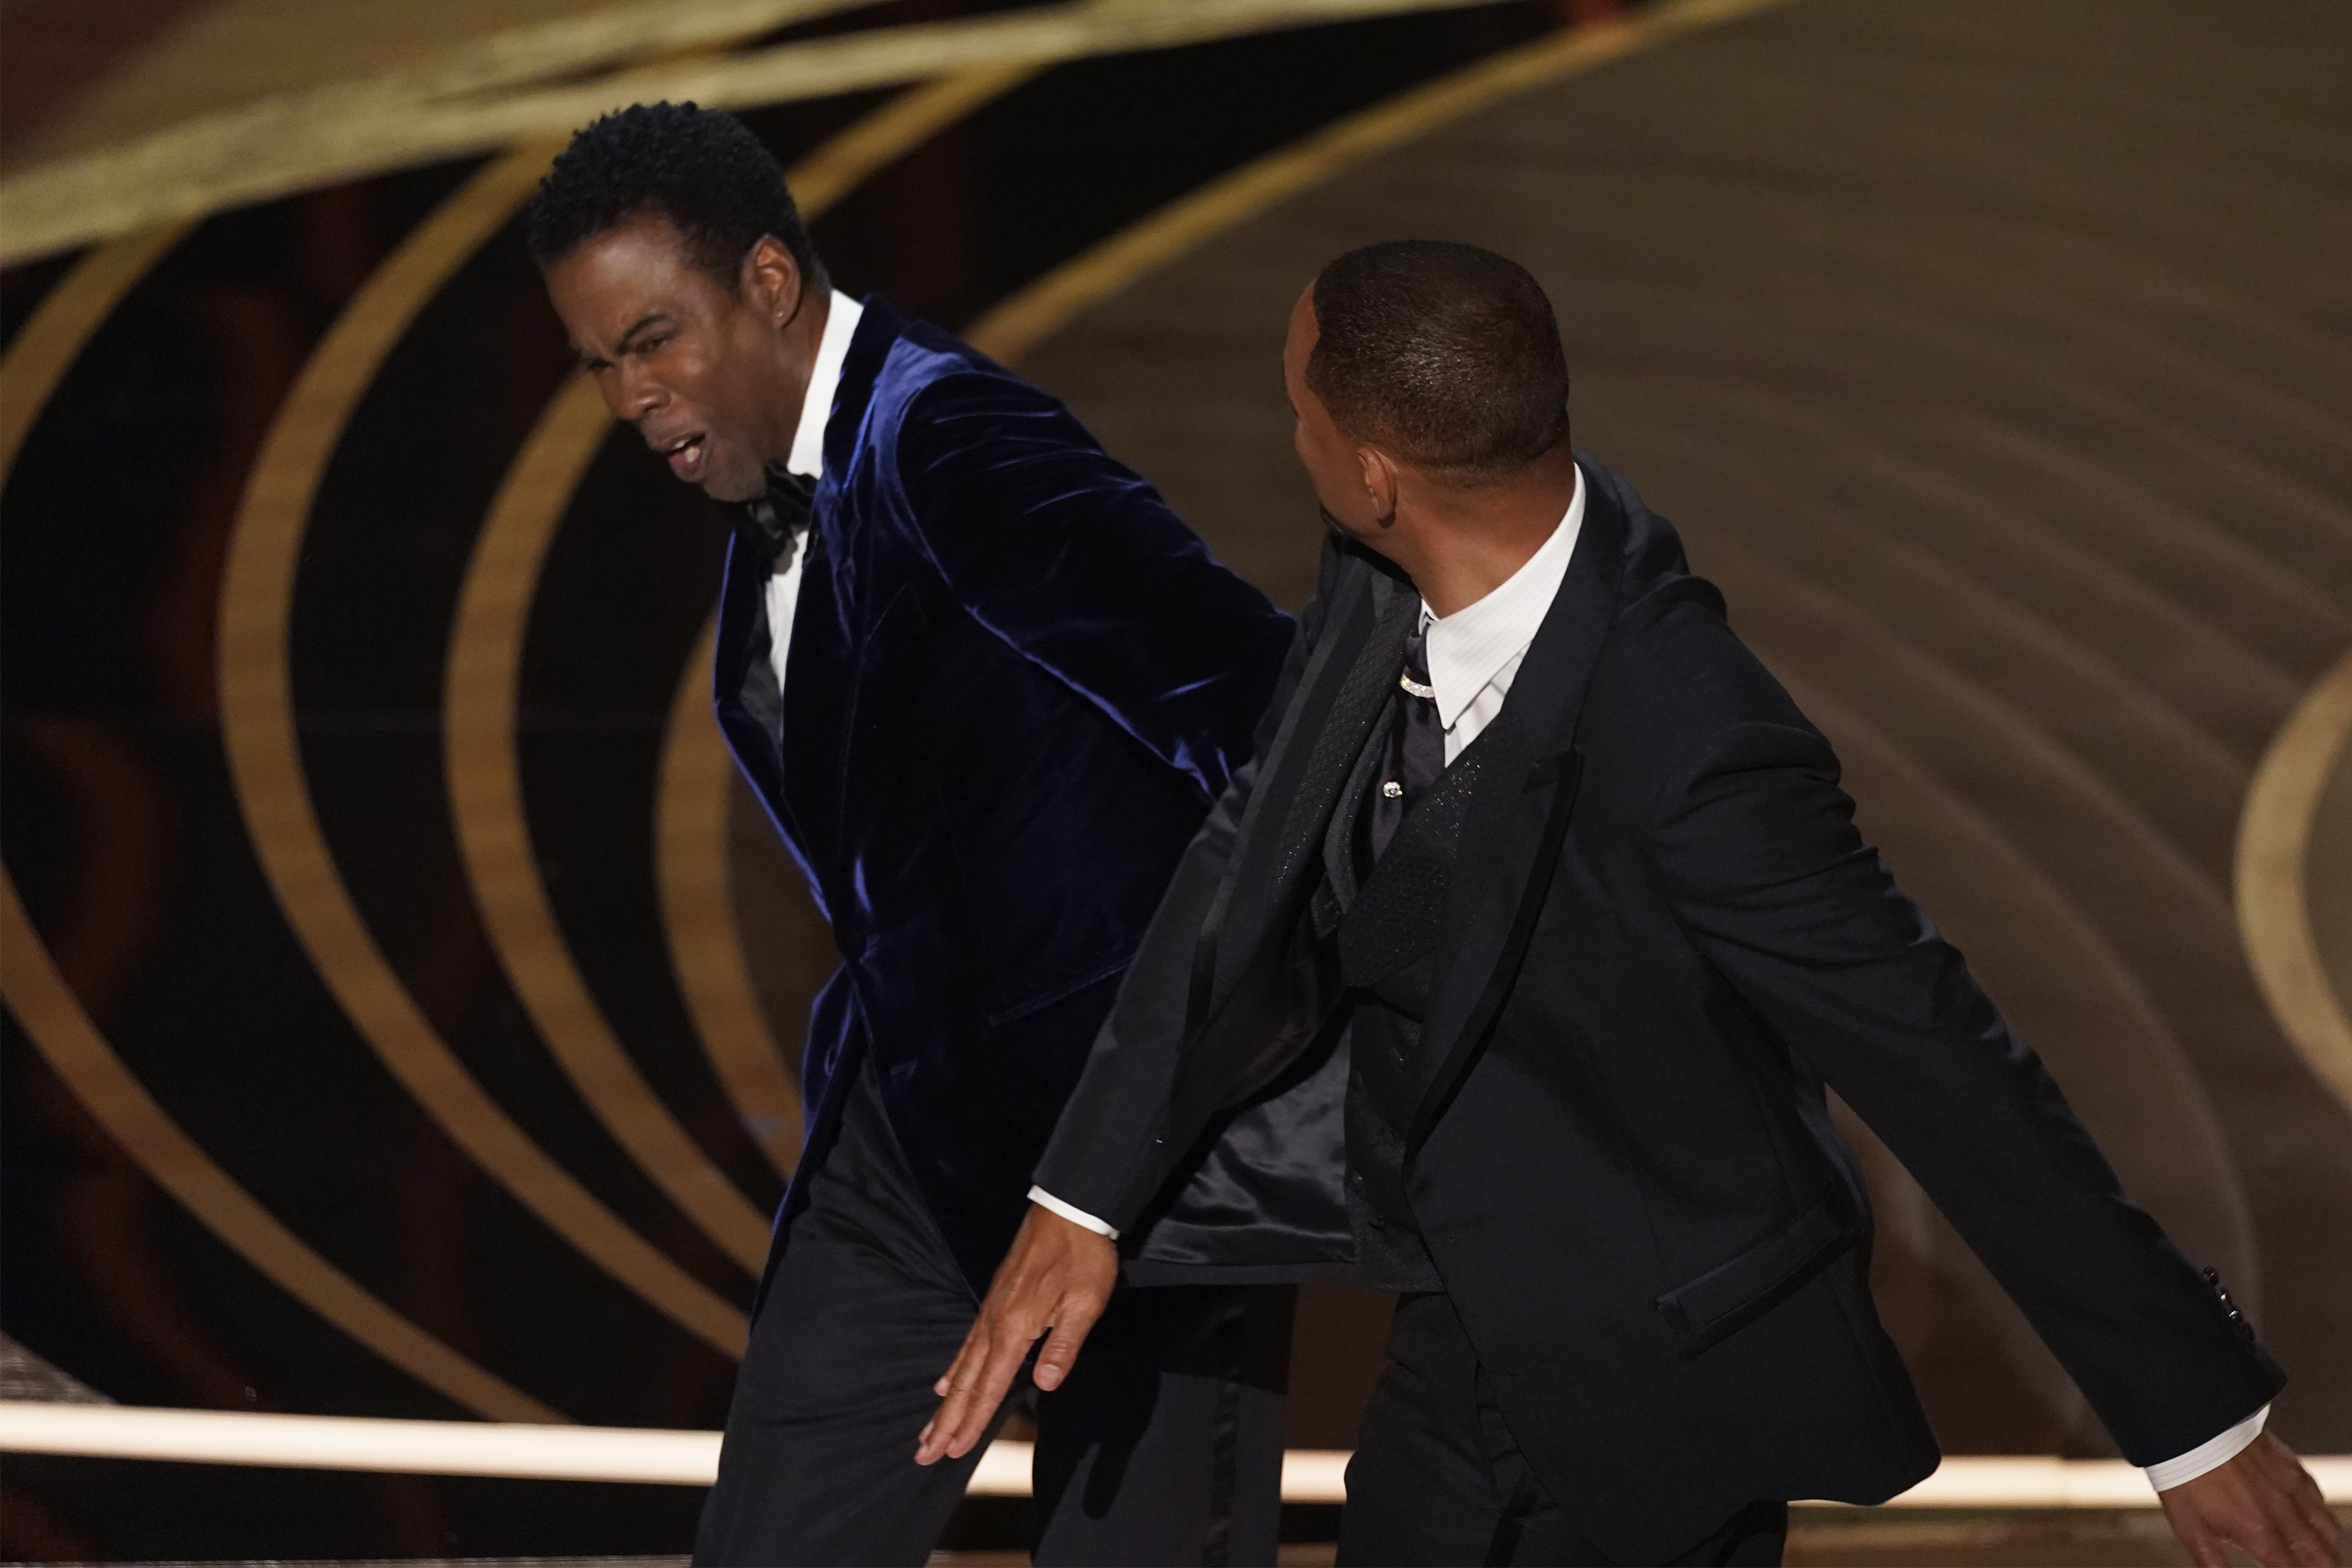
(1058, 1277)
(2263, 1501)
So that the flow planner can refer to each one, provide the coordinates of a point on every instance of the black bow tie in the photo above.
(768, 523)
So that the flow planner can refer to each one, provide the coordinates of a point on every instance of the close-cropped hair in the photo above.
(1444, 354)
(700, 169)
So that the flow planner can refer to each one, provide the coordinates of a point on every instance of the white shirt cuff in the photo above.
(1047, 1201)
(2210, 1455)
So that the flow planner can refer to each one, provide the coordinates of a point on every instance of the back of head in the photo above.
(701, 170)
(1445, 355)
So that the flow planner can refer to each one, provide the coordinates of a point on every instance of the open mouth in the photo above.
(685, 456)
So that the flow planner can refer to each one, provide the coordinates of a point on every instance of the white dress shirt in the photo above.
(1475, 652)
(807, 456)
(1473, 656)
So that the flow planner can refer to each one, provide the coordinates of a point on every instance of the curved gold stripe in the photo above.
(46, 347)
(484, 774)
(250, 156)
(265, 758)
(295, 141)
(858, 152)
(69, 1042)
(565, 47)
(865, 148)
(2275, 837)
(64, 1034)
(1021, 322)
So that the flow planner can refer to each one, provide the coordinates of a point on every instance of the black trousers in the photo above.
(1438, 1479)
(1164, 1446)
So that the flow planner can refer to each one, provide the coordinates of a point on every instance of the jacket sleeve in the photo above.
(1115, 1146)
(1760, 858)
(1080, 566)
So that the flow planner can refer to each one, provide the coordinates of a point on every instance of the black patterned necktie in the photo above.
(769, 524)
(1415, 754)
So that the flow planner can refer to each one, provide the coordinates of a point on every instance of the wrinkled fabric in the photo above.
(1016, 682)
(1265, 1201)
(1662, 939)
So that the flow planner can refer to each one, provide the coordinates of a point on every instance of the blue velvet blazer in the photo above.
(1016, 683)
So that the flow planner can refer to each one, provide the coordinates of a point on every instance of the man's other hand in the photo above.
(2263, 1501)
(1058, 1277)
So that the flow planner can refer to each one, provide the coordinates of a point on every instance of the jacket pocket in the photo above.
(1706, 1311)
(1043, 996)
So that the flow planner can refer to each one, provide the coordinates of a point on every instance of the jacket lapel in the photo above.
(1517, 823)
(821, 667)
(743, 681)
(1254, 1008)
(1301, 778)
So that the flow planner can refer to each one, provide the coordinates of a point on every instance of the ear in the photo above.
(1379, 483)
(771, 279)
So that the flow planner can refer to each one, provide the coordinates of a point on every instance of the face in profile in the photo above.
(1333, 461)
(701, 370)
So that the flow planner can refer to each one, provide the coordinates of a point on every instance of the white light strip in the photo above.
(691, 1458)
(349, 1443)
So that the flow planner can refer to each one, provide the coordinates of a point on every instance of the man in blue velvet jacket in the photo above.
(988, 686)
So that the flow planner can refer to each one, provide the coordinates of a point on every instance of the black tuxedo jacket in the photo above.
(1015, 686)
(1661, 937)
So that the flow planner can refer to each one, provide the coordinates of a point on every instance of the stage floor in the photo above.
(1819, 1537)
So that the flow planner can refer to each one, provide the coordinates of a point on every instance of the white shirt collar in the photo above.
(1469, 648)
(825, 379)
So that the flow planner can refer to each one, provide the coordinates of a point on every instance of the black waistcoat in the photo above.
(1385, 935)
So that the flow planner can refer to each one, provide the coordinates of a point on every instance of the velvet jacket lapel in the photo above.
(747, 701)
(806, 735)
(828, 624)
(1519, 819)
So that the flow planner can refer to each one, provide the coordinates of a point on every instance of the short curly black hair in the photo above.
(1446, 355)
(699, 168)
